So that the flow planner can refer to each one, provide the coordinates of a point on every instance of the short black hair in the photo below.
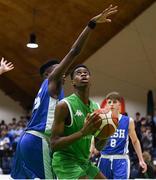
(114, 96)
(137, 114)
(47, 65)
(76, 67)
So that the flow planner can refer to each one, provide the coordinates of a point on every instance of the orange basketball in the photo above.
(109, 124)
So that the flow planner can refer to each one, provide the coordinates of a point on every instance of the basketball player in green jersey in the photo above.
(72, 131)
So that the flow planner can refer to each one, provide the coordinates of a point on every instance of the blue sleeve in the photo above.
(61, 95)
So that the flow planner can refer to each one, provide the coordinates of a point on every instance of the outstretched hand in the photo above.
(92, 123)
(5, 66)
(103, 17)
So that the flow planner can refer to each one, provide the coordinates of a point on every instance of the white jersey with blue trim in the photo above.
(43, 110)
(118, 142)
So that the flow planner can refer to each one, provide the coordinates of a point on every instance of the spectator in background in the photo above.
(4, 144)
(149, 120)
(5, 66)
(154, 118)
(14, 121)
(2, 122)
(4, 140)
(19, 130)
(137, 117)
(144, 121)
(11, 137)
(150, 169)
(3, 125)
(147, 139)
(137, 122)
(12, 130)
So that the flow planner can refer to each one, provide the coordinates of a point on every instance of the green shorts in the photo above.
(72, 169)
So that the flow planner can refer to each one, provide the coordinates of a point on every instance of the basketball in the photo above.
(109, 124)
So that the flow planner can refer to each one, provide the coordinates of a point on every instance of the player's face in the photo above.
(113, 104)
(81, 77)
(49, 70)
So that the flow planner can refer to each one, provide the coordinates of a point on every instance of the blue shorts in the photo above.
(114, 168)
(32, 158)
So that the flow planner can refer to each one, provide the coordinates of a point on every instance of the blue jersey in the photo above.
(118, 142)
(43, 110)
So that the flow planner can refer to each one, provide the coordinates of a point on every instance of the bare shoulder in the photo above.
(61, 110)
(62, 105)
(131, 125)
(131, 121)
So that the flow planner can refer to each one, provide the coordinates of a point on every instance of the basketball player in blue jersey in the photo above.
(32, 158)
(114, 161)
(5, 66)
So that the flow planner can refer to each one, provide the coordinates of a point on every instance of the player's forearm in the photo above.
(71, 57)
(78, 46)
(138, 150)
(80, 42)
(59, 143)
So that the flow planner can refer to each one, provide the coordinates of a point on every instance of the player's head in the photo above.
(137, 114)
(80, 76)
(113, 100)
(48, 67)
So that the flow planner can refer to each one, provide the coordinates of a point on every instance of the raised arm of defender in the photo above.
(69, 60)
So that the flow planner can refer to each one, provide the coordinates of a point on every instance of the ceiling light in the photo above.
(32, 43)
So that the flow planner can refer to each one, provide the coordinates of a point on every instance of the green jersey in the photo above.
(79, 150)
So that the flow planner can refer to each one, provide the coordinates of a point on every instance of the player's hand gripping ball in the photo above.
(109, 123)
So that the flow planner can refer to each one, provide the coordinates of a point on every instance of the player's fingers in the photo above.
(87, 117)
(2, 60)
(5, 62)
(11, 67)
(97, 121)
(108, 20)
(97, 117)
(144, 169)
(113, 8)
(9, 64)
(112, 12)
(109, 7)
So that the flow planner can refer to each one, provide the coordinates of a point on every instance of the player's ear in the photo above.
(72, 82)
(45, 74)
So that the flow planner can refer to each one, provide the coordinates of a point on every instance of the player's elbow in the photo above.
(135, 142)
(98, 148)
(54, 144)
